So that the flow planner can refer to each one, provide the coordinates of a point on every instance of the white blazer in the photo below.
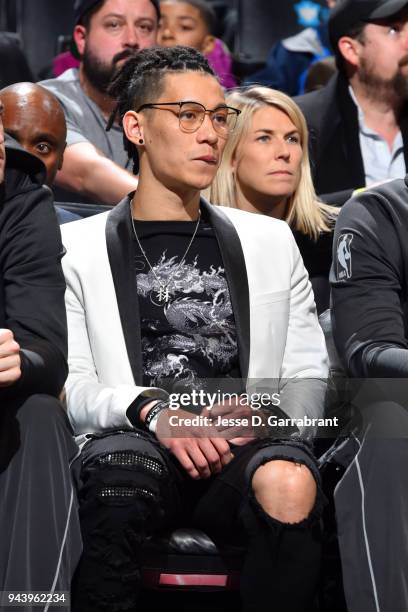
(278, 333)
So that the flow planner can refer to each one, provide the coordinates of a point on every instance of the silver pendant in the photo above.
(163, 295)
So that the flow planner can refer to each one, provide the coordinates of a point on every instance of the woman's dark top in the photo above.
(317, 257)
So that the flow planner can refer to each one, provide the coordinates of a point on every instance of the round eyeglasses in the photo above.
(191, 115)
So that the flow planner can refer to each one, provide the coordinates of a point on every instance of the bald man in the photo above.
(33, 116)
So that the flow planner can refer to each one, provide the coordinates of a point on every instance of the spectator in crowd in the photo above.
(358, 122)
(369, 281)
(265, 169)
(191, 23)
(320, 73)
(107, 33)
(148, 300)
(34, 118)
(289, 60)
(40, 534)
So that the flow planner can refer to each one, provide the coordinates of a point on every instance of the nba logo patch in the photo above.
(344, 262)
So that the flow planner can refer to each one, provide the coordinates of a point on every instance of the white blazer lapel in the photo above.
(236, 275)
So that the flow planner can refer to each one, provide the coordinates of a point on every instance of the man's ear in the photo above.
(133, 127)
(350, 50)
(79, 36)
(208, 44)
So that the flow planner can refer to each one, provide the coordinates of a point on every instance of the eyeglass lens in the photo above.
(191, 116)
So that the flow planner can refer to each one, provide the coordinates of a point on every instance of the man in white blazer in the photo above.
(165, 295)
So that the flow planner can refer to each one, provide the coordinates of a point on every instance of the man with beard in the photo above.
(358, 123)
(106, 34)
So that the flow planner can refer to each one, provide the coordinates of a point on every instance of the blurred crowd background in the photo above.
(250, 29)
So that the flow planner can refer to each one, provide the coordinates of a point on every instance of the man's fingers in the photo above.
(9, 377)
(241, 441)
(5, 335)
(186, 463)
(223, 450)
(236, 425)
(191, 457)
(211, 454)
(10, 369)
(8, 363)
(199, 459)
(223, 409)
(9, 347)
(236, 432)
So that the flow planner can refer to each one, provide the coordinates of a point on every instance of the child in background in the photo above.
(191, 23)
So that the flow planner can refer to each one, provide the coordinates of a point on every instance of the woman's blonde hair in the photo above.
(305, 212)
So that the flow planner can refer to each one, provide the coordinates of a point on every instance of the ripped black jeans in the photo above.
(131, 487)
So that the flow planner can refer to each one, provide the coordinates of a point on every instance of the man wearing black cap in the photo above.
(106, 34)
(359, 122)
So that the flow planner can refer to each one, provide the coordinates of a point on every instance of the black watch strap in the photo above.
(136, 407)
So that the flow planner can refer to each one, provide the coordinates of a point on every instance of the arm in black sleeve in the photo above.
(368, 281)
(32, 285)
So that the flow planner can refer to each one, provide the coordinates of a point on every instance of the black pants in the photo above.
(39, 526)
(371, 503)
(132, 487)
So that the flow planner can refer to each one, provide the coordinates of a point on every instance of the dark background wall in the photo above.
(40, 22)
(260, 23)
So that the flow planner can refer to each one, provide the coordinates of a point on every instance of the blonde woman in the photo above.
(266, 170)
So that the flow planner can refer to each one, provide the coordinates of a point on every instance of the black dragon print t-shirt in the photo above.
(187, 324)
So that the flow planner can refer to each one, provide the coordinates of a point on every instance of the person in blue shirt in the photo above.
(289, 59)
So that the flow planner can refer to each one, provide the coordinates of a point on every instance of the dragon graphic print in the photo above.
(192, 334)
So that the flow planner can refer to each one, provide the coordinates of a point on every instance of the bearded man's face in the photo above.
(117, 30)
(383, 58)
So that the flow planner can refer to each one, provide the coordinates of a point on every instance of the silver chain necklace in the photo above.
(163, 293)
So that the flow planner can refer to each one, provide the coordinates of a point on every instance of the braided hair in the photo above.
(141, 81)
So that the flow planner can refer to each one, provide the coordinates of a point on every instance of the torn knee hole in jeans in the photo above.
(313, 516)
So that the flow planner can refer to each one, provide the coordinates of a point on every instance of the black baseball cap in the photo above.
(81, 7)
(348, 14)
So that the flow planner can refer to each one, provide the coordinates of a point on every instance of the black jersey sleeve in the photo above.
(368, 288)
